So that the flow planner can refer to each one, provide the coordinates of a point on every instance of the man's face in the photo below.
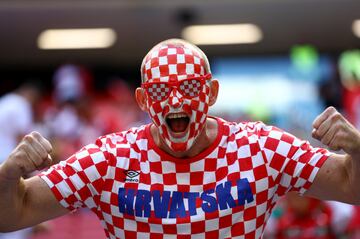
(177, 94)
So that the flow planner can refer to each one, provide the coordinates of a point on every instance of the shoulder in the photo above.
(249, 128)
(267, 136)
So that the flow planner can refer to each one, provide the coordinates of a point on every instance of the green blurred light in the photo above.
(304, 57)
(259, 110)
(349, 65)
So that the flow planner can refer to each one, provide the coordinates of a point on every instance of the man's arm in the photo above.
(339, 177)
(25, 203)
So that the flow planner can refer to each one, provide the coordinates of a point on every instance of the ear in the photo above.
(214, 90)
(140, 96)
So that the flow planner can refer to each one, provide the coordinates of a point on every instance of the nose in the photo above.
(175, 98)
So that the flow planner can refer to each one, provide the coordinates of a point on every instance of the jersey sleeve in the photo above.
(78, 181)
(293, 163)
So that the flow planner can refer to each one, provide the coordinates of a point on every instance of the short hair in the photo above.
(177, 42)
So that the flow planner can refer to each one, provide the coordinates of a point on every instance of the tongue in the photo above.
(178, 125)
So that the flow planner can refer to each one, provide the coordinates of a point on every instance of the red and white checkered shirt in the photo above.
(227, 191)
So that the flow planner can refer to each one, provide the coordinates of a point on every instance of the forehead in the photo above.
(172, 62)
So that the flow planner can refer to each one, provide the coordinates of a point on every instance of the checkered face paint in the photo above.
(175, 83)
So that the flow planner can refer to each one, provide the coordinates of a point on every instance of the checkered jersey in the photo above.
(227, 191)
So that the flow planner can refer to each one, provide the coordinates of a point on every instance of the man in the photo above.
(186, 175)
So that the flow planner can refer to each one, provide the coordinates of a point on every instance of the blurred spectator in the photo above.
(16, 120)
(69, 122)
(117, 109)
(351, 102)
(298, 217)
(16, 116)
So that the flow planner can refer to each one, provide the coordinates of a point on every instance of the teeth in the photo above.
(175, 116)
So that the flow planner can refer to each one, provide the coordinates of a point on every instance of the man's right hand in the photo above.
(31, 154)
(25, 203)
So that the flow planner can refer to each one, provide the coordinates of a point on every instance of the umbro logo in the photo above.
(132, 176)
(131, 173)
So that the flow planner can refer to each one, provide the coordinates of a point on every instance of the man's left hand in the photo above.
(333, 130)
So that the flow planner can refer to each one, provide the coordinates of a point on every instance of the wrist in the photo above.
(6, 174)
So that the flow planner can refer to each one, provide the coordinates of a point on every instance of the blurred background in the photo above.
(69, 70)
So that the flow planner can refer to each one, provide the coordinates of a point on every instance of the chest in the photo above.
(149, 186)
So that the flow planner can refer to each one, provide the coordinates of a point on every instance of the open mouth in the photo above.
(177, 122)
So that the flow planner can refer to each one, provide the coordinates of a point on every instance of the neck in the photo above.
(205, 139)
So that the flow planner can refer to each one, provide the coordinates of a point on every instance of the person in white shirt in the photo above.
(16, 120)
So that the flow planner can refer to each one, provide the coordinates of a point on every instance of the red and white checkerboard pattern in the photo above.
(159, 91)
(273, 162)
(190, 88)
(196, 107)
(172, 62)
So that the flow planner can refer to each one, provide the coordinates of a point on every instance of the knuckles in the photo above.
(28, 138)
(32, 137)
(330, 109)
(22, 146)
(336, 116)
(35, 135)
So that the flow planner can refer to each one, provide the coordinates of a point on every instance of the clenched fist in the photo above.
(333, 130)
(32, 153)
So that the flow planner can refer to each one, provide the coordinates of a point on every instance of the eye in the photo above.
(158, 91)
(191, 87)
